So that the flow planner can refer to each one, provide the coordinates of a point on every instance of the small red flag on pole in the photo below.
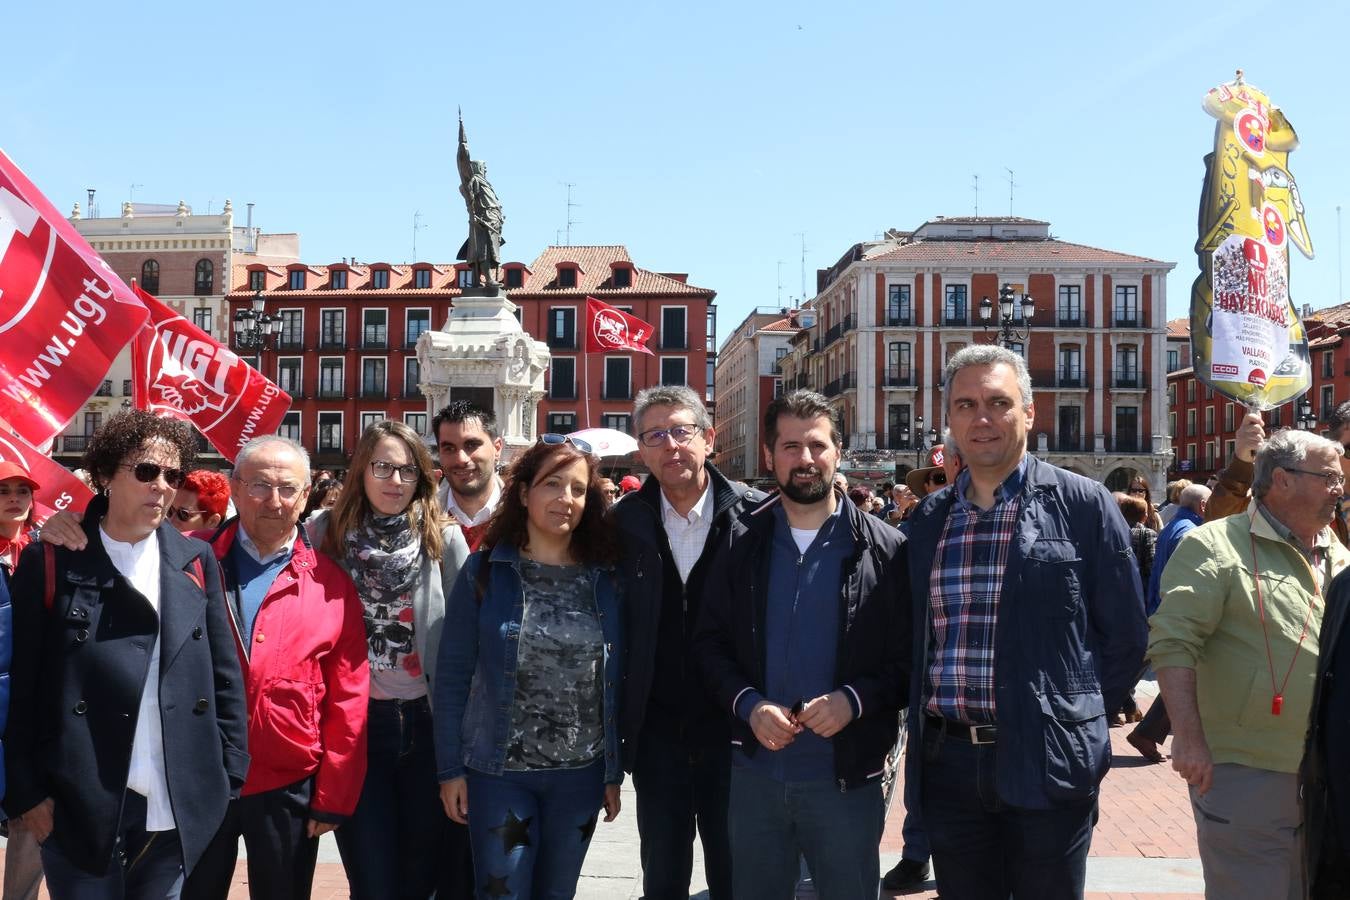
(609, 329)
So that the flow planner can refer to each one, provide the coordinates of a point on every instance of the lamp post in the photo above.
(1306, 420)
(1008, 333)
(923, 441)
(253, 326)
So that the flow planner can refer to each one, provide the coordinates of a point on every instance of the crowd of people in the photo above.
(454, 666)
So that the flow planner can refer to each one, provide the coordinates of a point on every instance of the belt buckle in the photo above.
(975, 735)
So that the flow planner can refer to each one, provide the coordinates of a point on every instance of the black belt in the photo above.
(963, 731)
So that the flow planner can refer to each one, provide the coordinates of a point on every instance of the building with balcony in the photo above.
(185, 260)
(748, 376)
(889, 313)
(346, 349)
(597, 389)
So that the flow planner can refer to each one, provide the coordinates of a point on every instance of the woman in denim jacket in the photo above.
(526, 692)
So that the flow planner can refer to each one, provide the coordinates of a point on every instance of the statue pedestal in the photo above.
(482, 354)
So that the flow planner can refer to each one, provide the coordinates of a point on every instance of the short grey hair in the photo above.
(988, 355)
(1192, 495)
(267, 440)
(677, 395)
(1287, 449)
(949, 443)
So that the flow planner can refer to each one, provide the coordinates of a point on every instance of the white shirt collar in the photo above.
(252, 549)
(494, 497)
(695, 515)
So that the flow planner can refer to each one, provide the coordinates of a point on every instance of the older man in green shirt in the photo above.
(1235, 647)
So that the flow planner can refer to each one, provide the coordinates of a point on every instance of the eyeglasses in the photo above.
(936, 478)
(184, 515)
(262, 490)
(147, 472)
(681, 434)
(613, 492)
(383, 469)
(554, 439)
(1333, 479)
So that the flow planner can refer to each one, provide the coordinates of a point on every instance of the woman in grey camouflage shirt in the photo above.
(526, 693)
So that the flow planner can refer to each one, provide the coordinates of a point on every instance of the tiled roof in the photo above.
(596, 275)
(788, 325)
(1179, 328)
(1334, 315)
(359, 281)
(939, 251)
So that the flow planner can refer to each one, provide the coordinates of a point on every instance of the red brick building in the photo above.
(346, 351)
(891, 312)
(1204, 425)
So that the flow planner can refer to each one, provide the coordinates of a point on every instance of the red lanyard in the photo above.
(1277, 692)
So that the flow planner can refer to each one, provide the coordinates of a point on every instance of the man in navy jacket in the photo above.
(1033, 627)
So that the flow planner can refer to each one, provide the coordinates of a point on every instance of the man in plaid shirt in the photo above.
(1033, 627)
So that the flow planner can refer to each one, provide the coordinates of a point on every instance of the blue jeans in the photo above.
(530, 829)
(146, 866)
(984, 849)
(396, 843)
(678, 787)
(775, 823)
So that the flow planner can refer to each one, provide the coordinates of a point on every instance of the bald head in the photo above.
(1194, 497)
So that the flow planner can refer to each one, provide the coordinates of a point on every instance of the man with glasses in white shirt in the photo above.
(676, 741)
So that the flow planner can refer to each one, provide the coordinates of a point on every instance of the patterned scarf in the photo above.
(383, 555)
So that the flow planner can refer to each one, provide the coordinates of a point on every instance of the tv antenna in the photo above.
(131, 193)
(1011, 184)
(780, 282)
(417, 226)
(977, 195)
(570, 207)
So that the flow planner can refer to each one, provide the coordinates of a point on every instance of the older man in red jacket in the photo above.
(302, 645)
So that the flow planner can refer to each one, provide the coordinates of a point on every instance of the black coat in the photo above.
(78, 673)
(1326, 756)
(873, 649)
(649, 582)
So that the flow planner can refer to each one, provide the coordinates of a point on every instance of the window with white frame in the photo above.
(290, 426)
(330, 432)
(331, 379)
(417, 422)
(374, 328)
(202, 318)
(674, 370)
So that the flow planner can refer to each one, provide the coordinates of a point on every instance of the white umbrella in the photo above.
(607, 441)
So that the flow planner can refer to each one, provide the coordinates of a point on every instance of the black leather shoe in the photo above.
(908, 873)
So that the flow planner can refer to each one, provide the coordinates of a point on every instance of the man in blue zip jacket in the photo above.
(1031, 627)
(803, 640)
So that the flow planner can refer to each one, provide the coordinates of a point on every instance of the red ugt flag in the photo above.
(64, 314)
(609, 329)
(59, 488)
(181, 371)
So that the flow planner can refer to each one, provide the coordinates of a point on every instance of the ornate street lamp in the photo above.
(1306, 420)
(252, 326)
(1008, 333)
(923, 441)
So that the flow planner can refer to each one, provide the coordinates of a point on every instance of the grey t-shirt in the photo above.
(557, 717)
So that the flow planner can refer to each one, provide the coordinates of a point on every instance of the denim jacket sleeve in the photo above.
(455, 664)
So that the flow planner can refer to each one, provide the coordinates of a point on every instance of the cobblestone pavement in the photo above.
(1143, 846)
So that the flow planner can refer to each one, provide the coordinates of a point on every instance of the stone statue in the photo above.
(483, 248)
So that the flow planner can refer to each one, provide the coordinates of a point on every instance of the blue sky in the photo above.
(707, 137)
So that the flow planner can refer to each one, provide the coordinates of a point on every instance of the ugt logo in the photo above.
(192, 375)
(610, 328)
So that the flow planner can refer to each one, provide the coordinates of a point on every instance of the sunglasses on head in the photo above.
(184, 515)
(936, 478)
(147, 472)
(554, 439)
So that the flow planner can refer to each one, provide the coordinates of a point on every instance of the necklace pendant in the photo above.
(1276, 704)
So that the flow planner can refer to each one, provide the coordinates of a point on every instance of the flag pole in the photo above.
(586, 381)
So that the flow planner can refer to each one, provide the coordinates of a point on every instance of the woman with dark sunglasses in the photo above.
(127, 725)
(527, 745)
(403, 555)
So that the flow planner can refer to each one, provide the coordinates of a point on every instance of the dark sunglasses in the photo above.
(147, 472)
(554, 439)
(936, 478)
(184, 515)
